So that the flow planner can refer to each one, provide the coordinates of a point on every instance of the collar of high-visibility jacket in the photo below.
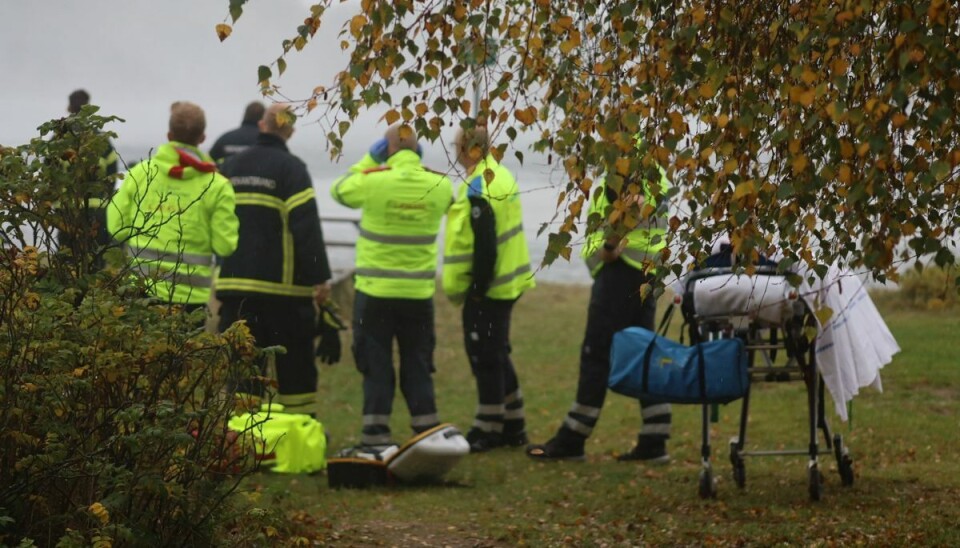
(404, 158)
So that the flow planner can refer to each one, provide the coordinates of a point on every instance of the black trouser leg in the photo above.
(486, 326)
(373, 327)
(416, 339)
(279, 322)
(615, 304)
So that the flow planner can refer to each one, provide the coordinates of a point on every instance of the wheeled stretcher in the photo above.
(776, 326)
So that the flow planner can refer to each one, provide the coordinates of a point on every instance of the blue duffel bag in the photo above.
(647, 366)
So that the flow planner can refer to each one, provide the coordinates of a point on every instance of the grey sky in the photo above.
(135, 57)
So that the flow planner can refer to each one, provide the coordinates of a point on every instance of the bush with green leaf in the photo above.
(930, 288)
(113, 408)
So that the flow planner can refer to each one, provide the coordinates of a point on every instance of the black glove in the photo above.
(329, 326)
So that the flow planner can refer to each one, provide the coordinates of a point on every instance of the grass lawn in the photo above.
(904, 442)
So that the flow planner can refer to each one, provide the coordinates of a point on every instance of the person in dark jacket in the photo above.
(280, 270)
(237, 140)
(99, 192)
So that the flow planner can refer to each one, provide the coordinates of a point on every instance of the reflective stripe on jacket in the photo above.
(512, 275)
(173, 212)
(402, 204)
(640, 250)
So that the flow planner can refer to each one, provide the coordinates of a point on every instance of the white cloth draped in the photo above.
(854, 344)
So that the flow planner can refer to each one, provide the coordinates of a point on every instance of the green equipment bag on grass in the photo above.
(293, 443)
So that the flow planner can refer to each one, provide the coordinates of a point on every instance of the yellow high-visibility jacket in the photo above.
(402, 205)
(173, 212)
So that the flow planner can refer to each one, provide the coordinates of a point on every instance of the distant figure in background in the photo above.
(242, 138)
(101, 188)
(402, 204)
(486, 267)
(280, 268)
(173, 212)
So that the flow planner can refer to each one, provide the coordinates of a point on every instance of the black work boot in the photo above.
(481, 442)
(651, 451)
(557, 449)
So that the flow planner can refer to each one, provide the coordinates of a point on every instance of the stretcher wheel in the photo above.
(816, 482)
(739, 468)
(708, 487)
(844, 461)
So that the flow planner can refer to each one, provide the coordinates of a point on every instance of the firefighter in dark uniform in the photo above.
(237, 140)
(402, 204)
(486, 267)
(620, 268)
(280, 269)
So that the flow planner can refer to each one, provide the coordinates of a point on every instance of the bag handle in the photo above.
(646, 364)
(701, 372)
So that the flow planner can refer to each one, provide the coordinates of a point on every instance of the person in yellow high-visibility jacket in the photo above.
(402, 204)
(620, 267)
(174, 212)
(486, 267)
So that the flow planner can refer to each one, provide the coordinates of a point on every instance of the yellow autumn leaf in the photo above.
(223, 31)
(699, 15)
(100, 511)
(846, 149)
(623, 166)
(898, 119)
(567, 45)
(730, 166)
(576, 206)
(722, 121)
(526, 116)
(391, 116)
(745, 188)
(706, 90)
(845, 175)
(799, 164)
(356, 25)
(808, 76)
(823, 314)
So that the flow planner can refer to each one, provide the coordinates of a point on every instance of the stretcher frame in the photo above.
(762, 340)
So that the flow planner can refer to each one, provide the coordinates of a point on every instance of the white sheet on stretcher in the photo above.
(762, 297)
(855, 342)
(852, 347)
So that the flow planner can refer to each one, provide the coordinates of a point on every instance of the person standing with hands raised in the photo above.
(402, 204)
